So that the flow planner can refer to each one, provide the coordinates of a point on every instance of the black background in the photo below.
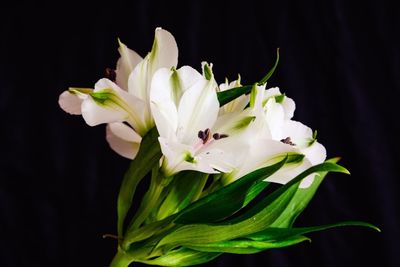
(340, 62)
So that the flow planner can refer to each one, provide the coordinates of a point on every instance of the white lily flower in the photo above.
(279, 136)
(237, 104)
(185, 109)
(127, 99)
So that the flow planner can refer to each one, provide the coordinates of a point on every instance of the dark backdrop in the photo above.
(340, 62)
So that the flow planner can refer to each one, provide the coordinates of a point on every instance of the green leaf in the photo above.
(148, 155)
(300, 200)
(150, 199)
(257, 219)
(227, 96)
(272, 233)
(292, 186)
(182, 257)
(248, 246)
(185, 188)
(146, 231)
(269, 74)
(227, 200)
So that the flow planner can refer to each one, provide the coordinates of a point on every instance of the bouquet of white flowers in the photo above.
(210, 151)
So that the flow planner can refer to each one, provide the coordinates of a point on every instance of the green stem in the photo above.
(121, 259)
(150, 199)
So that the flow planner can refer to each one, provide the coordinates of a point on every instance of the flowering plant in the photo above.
(210, 151)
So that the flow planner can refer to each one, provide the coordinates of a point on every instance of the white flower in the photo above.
(237, 104)
(125, 103)
(185, 109)
(278, 136)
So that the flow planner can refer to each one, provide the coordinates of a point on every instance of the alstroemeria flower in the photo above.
(185, 109)
(279, 136)
(237, 104)
(125, 103)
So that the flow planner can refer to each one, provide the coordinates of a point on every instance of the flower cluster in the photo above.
(209, 150)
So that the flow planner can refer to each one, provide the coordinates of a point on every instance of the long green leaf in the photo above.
(272, 233)
(300, 200)
(224, 97)
(146, 231)
(293, 184)
(226, 200)
(227, 96)
(186, 187)
(182, 257)
(258, 218)
(269, 74)
(194, 234)
(149, 154)
(248, 246)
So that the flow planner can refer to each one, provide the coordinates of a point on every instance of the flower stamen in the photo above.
(218, 136)
(204, 135)
(288, 141)
(110, 74)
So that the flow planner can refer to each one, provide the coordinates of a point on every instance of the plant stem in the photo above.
(121, 259)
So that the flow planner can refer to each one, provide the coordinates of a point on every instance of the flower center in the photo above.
(205, 135)
(288, 141)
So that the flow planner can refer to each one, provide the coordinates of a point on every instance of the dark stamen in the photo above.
(201, 135)
(288, 141)
(204, 136)
(110, 74)
(218, 136)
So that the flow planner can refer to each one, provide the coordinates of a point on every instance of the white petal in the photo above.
(275, 117)
(125, 65)
(289, 172)
(164, 53)
(288, 103)
(300, 134)
(165, 117)
(270, 92)
(117, 106)
(235, 122)
(263, 152)
(70, 103)
(123, 140)
(289, 106)
(124, 132)
(225, 154)
(180, 157)
(306, 182)
(316, 153)
(166, 90)
(198, 110)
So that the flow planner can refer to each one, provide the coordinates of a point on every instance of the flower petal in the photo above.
(70, 101)
(166, 90)
(316, 153)
(275, 117)
(109, 103)
(300, 134)
(180, 157)
(198, 110)
(123, 139)
(125, 65)
(287, 103)
(164, 54)
(263, 152)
